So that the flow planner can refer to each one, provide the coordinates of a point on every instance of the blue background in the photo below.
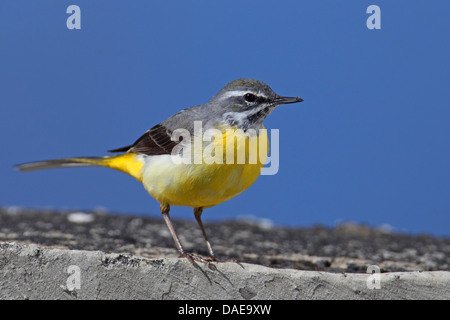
(370, 143)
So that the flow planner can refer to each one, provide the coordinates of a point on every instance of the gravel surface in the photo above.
(346, 248)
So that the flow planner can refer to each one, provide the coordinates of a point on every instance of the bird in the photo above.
(170, 160)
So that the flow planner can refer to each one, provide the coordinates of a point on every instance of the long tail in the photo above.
(129, 163)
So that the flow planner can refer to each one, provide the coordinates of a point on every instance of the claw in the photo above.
(209, 261)
(192, 257)
(215, 259)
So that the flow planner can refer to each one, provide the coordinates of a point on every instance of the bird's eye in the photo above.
(249, 97)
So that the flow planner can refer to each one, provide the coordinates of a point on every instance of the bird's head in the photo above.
(245, 103)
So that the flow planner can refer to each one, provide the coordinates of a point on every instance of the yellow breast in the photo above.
(207, 184)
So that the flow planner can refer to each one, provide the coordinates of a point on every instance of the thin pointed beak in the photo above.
(285, 100)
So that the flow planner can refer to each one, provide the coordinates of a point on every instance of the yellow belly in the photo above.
(205, 185)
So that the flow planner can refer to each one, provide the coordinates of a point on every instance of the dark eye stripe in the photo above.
(262, 99)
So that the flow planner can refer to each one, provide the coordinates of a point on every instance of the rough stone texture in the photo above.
(32, 272)
(275, 263)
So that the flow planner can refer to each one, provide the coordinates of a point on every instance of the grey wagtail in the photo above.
(158, 158)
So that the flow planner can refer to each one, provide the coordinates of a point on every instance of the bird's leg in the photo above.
(165, 208)
(198, 213)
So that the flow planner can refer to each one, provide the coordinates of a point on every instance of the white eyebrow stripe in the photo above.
(236, 93)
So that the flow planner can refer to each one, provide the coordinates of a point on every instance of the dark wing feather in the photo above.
(155, 141)
(123, 149)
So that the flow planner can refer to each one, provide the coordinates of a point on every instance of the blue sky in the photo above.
(370, 143)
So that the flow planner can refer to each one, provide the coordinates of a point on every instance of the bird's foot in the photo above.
(192, 258)
(215, 259)
(208, 261)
